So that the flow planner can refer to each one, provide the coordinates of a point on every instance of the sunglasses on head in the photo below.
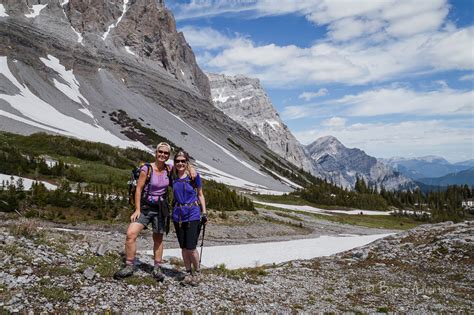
(181, 161)
(163, 152)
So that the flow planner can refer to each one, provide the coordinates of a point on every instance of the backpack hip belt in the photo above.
(181, 205)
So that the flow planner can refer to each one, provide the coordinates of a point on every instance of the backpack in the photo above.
(133, 181)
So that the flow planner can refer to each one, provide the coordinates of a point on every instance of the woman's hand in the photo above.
(134, 216)
(204, 219)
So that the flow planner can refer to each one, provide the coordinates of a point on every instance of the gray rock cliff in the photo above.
(244, 100)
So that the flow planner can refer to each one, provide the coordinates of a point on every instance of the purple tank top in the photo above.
(158, 185)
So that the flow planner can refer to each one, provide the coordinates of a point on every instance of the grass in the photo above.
(106, 265)
(289, 216)
(26, 228)
(371, 221)
(54, 294)
(249, 275)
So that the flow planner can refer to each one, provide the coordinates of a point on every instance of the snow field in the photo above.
(253, 255)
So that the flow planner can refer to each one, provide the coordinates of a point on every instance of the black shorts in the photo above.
(188, 234)
(155, 217)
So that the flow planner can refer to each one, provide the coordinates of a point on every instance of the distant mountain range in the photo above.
(342, 165)
(457, 178)
(426, 167)
(245, 101)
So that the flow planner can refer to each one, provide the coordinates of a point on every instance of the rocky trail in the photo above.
(426, 269)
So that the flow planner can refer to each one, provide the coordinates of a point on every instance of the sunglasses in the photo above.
(163, 152)
(181, 161)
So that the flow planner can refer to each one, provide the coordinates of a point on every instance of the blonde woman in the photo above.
(151, 206)
(189, 212)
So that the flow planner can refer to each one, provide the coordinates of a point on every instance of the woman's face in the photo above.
(180, 163)
(162, 154)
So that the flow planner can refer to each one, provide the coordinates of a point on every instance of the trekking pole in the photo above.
(202, 244)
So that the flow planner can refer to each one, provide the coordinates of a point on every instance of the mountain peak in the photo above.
(244, 100)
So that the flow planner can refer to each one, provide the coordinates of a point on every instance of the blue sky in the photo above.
(391, 77)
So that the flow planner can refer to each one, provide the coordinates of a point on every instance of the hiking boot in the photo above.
(126, 271)
(157, 273)
(181, 275)
(189, 280)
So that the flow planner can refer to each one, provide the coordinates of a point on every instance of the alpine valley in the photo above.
(88, 89)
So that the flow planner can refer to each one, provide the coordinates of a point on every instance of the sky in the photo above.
(391, 77)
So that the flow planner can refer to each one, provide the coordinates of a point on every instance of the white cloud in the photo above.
(467, 77)
(295, 112)
(307, 96)
(334, 122)
(345, 19)
(325, 62)
(389, 101)
(386, 101)
(451, 139)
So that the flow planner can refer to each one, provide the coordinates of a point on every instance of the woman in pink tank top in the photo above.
(151, 206)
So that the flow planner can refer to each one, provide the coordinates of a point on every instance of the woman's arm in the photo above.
(191, 171)
(138, 196)
(202, 201)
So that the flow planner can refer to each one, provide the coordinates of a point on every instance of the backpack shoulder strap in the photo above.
(149, 171)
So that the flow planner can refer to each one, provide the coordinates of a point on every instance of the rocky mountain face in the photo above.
(426, 166)
(244, 100)
(68, 67)
(342, 166)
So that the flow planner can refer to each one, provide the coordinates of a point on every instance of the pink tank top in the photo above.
(158, 184)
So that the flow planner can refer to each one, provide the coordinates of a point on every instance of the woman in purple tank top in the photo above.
(151, 206)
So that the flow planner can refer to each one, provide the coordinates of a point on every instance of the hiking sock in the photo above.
(157, 263)
(130, 261)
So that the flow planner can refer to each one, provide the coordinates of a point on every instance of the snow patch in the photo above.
(3, 12)
(252, 255)
(286, 180)
(40, 114)
(79, 35)
(245, 99)
(219, 146)
(322, 211)
(220, 98)
(293, 207)
(182, 72)
(87, 112)
(36, 10)
(273, 123)
(127, 49)
(124, 10)
(27, 182)
(71, 88)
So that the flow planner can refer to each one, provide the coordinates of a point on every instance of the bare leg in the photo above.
(194, 257)
(131, 240)
(186, 259)
(158, 247)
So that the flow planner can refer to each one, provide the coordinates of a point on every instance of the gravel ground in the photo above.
(426, 269)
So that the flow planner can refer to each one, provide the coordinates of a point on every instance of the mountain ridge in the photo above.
(55, 83)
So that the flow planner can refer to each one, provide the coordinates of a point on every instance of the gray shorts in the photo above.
(155, 218)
